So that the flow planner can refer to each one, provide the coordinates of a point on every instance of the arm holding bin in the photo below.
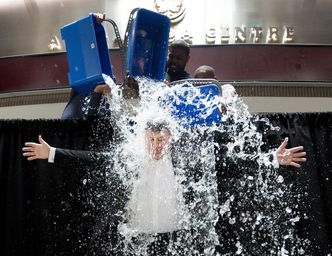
(76, 106)
(88, 60)
(88, 55)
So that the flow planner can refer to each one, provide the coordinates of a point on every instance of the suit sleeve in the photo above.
(74, 158)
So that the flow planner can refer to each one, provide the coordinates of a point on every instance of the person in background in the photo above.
(205, 71)
(178, 56)
(228, 90)
(81, 105)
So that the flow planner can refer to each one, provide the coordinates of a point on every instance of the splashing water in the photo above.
(258, 209)
(249, 211)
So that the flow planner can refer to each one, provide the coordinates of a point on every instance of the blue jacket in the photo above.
(81, 105)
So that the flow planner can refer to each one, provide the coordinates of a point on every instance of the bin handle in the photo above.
(118, 39)
(123, 46)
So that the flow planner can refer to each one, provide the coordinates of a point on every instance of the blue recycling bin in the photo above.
(195, 105)
(87, 53)
(148, 45)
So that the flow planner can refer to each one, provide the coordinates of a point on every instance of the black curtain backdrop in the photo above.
(45, 210)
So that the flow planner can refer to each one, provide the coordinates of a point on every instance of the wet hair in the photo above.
(157, 126)
(180, 44)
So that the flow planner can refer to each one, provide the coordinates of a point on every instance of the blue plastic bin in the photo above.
(195, 105)
(148, 45)
(87, 53)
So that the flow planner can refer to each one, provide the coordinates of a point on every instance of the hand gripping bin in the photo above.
(196, 105)
(87, 53)
(148, 45)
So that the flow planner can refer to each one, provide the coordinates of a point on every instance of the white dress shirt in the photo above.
(154, 203)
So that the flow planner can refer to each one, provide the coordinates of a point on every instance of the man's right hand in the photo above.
(39, 150)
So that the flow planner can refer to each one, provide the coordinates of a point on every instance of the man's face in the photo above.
(177, 59)
(158, 143)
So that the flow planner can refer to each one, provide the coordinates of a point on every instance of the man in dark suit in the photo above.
(156, 183)
(156, 175)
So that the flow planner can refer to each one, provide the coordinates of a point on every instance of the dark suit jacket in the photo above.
(113, 195)
(74, 158)
(106, 194)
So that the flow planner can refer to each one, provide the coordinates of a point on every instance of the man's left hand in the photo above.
(290, 156)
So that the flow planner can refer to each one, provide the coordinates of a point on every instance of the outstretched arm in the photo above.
(39, 150)
(62, 157)
(290, 156)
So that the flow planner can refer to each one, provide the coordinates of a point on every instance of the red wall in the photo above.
(266, 62)
(231, 62)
